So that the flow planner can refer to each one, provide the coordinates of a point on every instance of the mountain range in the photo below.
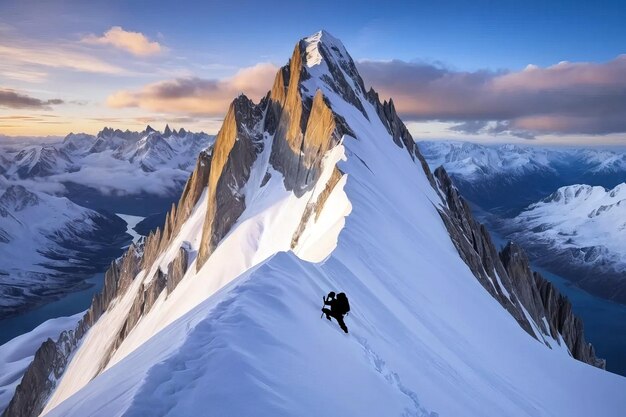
(101, 171)
(579, 229)
(320, 187)
(563, 206)
(505, 179)
(57, 225)
(49, 245)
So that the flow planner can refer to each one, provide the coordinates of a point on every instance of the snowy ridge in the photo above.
(317, 187)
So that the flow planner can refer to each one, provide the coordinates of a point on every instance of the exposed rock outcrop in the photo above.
(177, 269)
(51, 358)
(49, 363)
(507, 276)
(562, 321)
(236, 148)
(302, 122)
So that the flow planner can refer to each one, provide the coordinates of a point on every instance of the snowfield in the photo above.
(243, 335)
(580, 217)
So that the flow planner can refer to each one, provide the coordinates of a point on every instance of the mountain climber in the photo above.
(339, 306)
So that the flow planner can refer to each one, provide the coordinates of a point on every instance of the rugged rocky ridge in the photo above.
(508, 278)
(52, 357)
(299, 124)
(236, 148)
(543, 298)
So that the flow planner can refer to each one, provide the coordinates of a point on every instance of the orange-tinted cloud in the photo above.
(134, 42)
(577, 98)
(197, 96)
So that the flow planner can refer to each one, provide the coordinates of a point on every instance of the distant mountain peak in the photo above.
(17, 198)
(107, 131)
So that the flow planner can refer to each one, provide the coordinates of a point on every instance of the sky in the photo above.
(500, 71)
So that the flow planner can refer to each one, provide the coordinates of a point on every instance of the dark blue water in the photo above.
(604, 320)
(67, 306)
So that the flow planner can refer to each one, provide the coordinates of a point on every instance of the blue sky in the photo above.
(466, 34)
(214, 40)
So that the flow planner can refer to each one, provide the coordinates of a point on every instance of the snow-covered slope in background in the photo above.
(504, 179)
(604, 161)
(584, 226)
(48, 246)
(476, 162)
(112, 162)
(319, 187)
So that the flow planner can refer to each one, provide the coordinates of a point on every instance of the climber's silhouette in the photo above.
(339, 306)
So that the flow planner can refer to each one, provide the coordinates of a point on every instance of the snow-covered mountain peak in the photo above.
(318, 186)
(583, 226)
(322, 45)
(76, 143)
(580, 194)
(321, 62)
(17, 198)
(38, 161)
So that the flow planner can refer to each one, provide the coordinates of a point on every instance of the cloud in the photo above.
(135, 43)
(472, 127)
(499, 127)
(18, 57)
(23, 74)
(198, 96)
(14, 100)
(566, 98)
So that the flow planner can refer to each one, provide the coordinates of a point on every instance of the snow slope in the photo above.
(580, 219)
(242, 335)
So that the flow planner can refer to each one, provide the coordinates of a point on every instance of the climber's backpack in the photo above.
(343, 304)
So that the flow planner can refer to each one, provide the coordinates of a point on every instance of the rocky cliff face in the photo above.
(507, 276)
